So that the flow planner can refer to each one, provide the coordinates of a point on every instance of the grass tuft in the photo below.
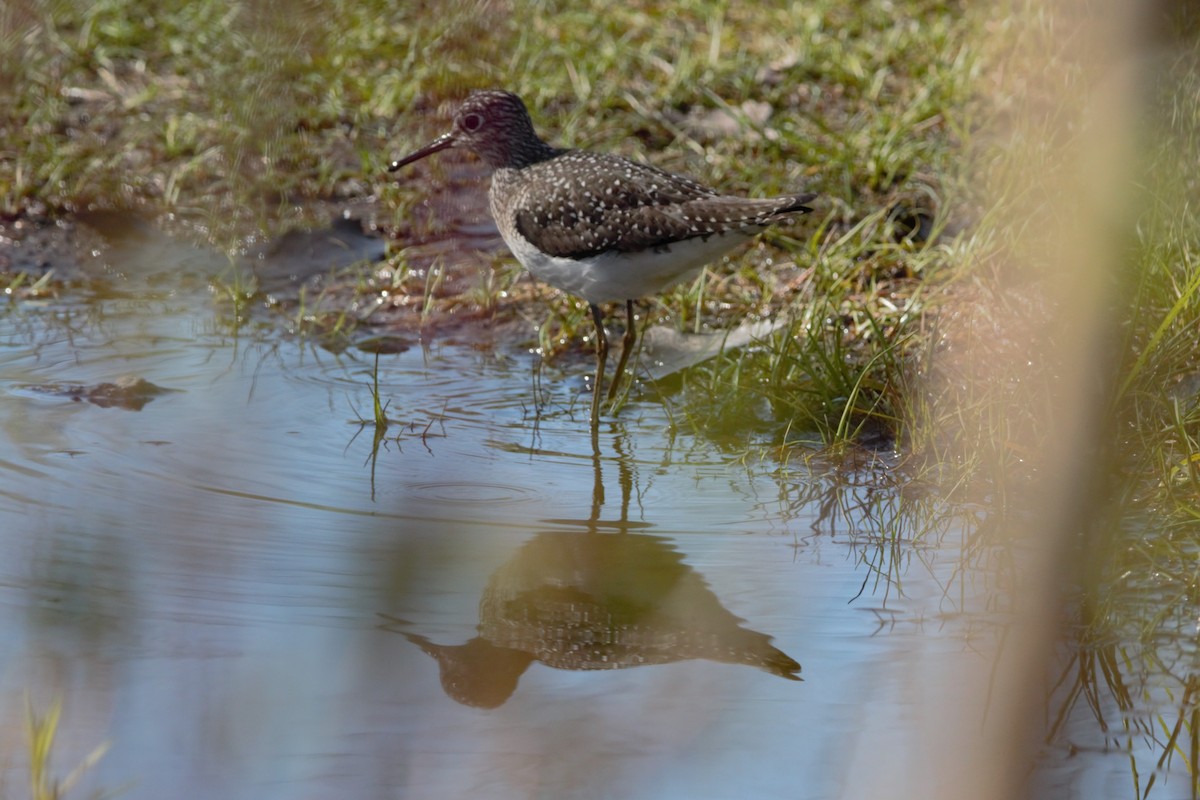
(41, 732)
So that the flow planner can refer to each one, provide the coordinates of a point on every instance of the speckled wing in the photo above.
(581, 204)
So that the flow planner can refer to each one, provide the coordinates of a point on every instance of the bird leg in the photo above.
(601, 357)
(627, 344)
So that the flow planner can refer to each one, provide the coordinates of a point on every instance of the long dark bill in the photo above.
(440, 143)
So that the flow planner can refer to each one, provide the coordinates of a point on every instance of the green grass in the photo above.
(239, 115)
(1139, 596)
(1133, 594)
(41, 731)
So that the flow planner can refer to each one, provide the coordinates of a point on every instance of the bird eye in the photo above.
(472, 122)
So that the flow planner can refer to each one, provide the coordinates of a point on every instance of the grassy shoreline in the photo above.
(230, 122)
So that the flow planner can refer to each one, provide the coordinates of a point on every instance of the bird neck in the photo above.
(520, 152)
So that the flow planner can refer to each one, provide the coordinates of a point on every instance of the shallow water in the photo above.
(246, 593)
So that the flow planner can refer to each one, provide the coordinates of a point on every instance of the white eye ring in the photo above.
(472, 122)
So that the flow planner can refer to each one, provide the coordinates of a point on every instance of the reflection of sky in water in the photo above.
(202, 580)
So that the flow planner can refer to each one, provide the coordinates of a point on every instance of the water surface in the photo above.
(247, 592)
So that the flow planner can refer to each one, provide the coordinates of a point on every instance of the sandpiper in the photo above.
(596, 225)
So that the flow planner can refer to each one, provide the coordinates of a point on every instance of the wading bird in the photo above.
(596, 225)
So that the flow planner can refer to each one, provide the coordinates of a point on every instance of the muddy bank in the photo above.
(436, 286)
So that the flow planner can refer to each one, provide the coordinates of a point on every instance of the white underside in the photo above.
(612, 276)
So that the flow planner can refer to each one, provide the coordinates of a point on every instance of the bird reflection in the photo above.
(590, 601)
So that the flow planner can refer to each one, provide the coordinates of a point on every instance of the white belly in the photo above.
(612, 276)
